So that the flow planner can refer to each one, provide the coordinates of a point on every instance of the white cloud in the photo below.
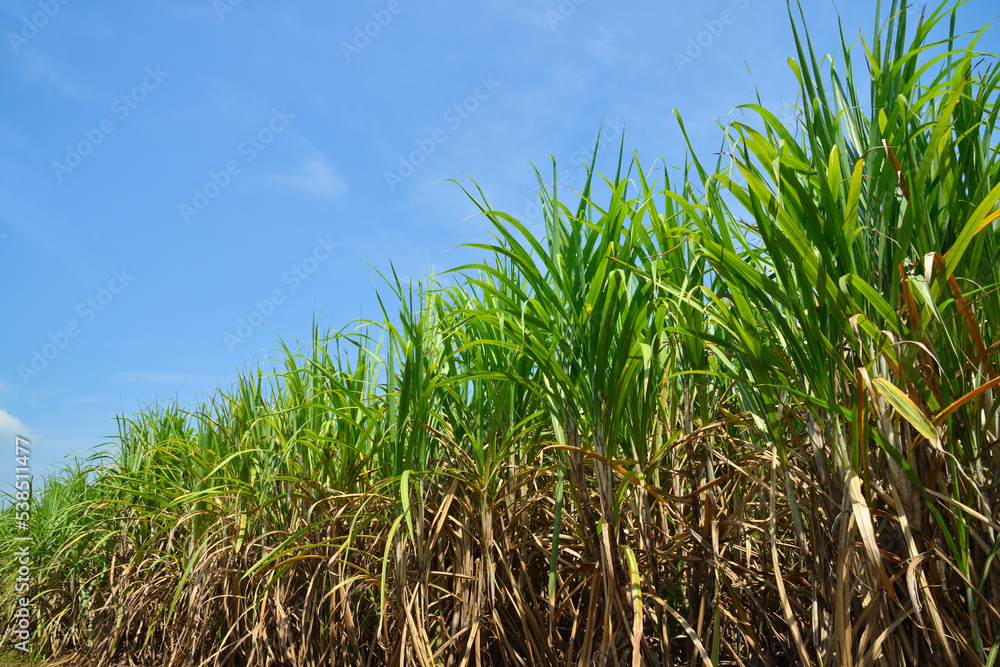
(316, 176)
(11, 426)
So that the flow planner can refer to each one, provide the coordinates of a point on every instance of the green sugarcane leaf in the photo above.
(906, 408)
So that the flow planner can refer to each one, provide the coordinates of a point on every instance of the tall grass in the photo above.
(733, 414)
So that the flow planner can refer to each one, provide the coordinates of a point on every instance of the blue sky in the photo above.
(183, 182)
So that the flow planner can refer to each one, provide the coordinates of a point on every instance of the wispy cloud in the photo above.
(38, 68)
(317, 176)
(602, 48)
(91, 401)
(150, 377)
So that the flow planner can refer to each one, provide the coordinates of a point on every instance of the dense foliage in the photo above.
(734, 414)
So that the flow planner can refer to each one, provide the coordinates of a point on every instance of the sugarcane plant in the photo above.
(728, 413)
